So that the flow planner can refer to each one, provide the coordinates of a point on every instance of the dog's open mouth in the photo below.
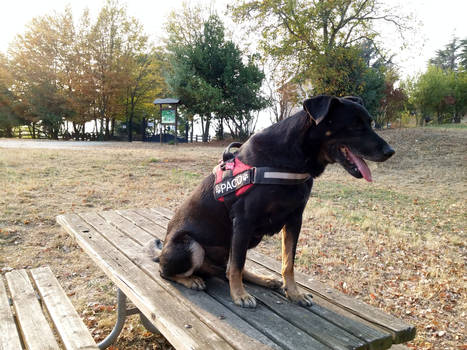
(355, 165)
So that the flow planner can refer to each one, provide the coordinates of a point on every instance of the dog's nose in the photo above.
(388, 151)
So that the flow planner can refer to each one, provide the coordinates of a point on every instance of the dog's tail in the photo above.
(153, 249)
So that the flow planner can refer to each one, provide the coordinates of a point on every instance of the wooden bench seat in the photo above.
(27, 299)
(209, 319)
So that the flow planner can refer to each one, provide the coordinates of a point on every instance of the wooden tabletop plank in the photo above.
(301, 317)
(161, 217)
(165, 212)
(9, 337)
(401, 331)
(282, 332)
(360, 328)
(73, 333)
(228, 325)
(132, 230)
(34, 327)
(181, 328)
(152, 227)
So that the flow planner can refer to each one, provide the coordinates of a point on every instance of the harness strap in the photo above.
(254, 175)
(234, 178)
(274, 176)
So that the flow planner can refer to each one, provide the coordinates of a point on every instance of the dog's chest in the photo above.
(279, 208)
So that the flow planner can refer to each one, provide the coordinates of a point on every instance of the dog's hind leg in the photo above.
(261, 280)
(179, 259)
(209, 268)
(191, 282)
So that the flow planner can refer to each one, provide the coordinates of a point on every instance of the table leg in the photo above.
(147, 324)
(122, 313)
(121, 316)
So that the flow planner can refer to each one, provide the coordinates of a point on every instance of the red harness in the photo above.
(235, 176)
(235, 166)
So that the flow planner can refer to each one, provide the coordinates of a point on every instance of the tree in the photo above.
(452, 60)
(283, 94)
(303, 33)
(8, 117)
(212, 81)
(393, 101)
(187, 83)
(431, 92)
(463, 55)
(185, 26)
(144, 81)
(108, 39)
(241, 94)
(38, 61)
(442, 89)
(449, 58)
(82, 89)
(457, 99)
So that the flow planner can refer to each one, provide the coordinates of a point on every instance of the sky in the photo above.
(438, 21)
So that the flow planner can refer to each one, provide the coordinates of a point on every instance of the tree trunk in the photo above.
(112, 127)
(220, 131)
(130, 123)
(102, 127)
(76, 130)
(191, 131)
(107, 130)
(130, 128)
(206, 131)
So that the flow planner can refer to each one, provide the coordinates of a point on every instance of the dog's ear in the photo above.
(318, 107)
(355, 99)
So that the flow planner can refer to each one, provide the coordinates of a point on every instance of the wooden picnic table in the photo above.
(209, 319)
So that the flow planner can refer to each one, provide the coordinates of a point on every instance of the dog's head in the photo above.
(344, 127)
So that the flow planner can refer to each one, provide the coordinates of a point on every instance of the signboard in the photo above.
(168, 116)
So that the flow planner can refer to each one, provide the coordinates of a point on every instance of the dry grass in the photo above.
(398, 243)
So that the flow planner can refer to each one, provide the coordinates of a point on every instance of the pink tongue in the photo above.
(361, 165)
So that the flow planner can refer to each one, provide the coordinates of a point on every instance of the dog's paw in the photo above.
(245, 300)
(303, 299)
(197, 283)
(272, 283)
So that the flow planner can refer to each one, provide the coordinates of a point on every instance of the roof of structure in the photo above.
(159, 101)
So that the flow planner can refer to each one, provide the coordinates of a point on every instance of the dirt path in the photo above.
(55, 144)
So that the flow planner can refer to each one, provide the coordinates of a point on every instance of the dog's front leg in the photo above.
(238, 249)
(290, 234)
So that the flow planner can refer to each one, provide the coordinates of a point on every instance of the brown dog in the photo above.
(264, 189)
